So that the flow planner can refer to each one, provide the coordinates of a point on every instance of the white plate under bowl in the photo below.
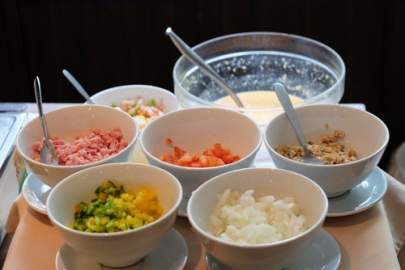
(361, 197)
(324, 253)
(170, 254)
(35, 193)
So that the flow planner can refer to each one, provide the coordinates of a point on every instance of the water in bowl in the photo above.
(251, 71)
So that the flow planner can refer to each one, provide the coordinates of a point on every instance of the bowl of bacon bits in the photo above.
(82, 135)
(199, 143)
(144, 103)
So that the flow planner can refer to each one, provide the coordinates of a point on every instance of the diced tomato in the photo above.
(230, 158)
(211, 157)
(169, 141)
(217, 150)
(227, 159)
(214, 161)
(167, 158)
(226, 152)
(195, 165)
(208, 152)
(203, 161)
(185, 160)
(195, 158)
(178, 152)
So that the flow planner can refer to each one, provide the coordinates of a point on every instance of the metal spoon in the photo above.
(47, 149)
(78, 86)
(198, 61)
(295, 123)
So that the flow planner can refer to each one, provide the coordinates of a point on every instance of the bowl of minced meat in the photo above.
(350, 143)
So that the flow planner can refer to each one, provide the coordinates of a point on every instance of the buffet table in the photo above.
(365, 239)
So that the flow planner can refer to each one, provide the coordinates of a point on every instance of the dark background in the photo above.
(109, 43)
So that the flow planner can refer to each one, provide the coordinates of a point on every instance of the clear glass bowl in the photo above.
(252, 61)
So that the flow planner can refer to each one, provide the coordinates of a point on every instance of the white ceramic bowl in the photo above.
(365, 133)
(195, 130)
(116, 249)
(279, 183)
(119, 93)
(67, 123)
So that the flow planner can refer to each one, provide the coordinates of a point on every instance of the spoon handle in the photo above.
(198, 61)
(291, 115)
(38, 99)
(77, 85)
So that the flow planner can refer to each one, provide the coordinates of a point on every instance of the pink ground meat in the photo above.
(90, 147)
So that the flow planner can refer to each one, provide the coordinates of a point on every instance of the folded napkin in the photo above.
(394, 203)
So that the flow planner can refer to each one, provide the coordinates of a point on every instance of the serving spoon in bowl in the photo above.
(77, 86)
(285, 102)
(199, 62)
(47, 154)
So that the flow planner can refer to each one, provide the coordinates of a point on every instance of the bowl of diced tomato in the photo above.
(199, 143)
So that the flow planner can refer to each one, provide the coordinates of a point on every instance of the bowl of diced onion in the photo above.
(257, 218)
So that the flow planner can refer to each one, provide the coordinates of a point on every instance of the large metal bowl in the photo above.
(310, 70)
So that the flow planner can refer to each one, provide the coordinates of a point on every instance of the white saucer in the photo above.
(35, 193)
(361, 197)
(171, 254)
(324, 253)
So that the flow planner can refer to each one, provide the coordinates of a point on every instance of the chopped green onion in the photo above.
(151, 102)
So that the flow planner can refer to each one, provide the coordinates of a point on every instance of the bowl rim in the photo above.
(340, 107)
(81, 166)
(206, 234)
(165, 92)
(308, 101)
(120, 233)
(174, 166)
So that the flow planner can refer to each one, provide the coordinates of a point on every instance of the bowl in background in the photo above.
(365, 133)
(117, 249)
(195, 130)
(251, 61)
(116, 94)
(279, 183)
(68, 122)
